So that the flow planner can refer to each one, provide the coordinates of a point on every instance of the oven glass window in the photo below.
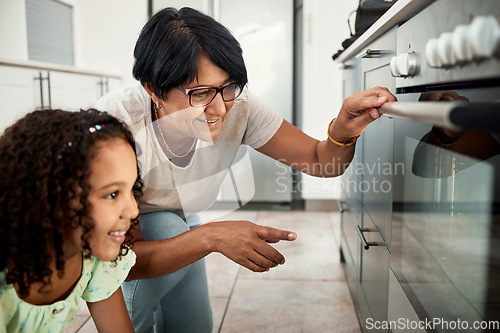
(445, 246)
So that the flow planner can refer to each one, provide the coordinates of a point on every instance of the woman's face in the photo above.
(111, 180)
(205, 122)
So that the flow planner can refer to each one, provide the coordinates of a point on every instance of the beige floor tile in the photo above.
(335, 223)
(219, 305)
(290, 307)
(76, 323)
(89, 327)
(313, 256)
(221, 274)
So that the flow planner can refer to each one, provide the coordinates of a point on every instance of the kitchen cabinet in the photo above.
(78, 91)
(366, 203)
(350, 202)
(20, 93)
(28, 87)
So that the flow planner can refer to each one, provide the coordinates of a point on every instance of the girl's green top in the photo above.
(99, 280)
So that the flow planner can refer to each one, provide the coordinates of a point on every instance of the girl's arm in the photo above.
(110, 315)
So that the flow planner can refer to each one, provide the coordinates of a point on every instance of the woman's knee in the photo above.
(162, 225)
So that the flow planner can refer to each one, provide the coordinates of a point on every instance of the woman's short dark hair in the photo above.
(44, 161)
(167, 50)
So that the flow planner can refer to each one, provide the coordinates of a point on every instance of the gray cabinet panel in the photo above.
(373, 276)
(378, 156)
(367, 191)
(350, 197)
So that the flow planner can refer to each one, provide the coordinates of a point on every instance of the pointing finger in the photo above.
(273, 235)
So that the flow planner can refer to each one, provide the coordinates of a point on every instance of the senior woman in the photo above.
(190, 114)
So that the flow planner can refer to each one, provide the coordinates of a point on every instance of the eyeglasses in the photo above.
(204, 96)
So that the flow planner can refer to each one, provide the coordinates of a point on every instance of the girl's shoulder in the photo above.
(17, 315)
(103, 278)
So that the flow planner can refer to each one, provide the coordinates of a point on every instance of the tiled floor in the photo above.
(306, 294)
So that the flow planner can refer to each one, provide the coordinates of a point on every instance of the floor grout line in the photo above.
(229, 299)
(83, 324)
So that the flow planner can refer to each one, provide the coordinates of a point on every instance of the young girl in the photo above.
(68, 188)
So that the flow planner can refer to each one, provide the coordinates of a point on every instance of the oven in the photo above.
(445, 236)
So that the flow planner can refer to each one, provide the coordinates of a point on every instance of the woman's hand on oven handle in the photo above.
(246, 243)
(359, 110)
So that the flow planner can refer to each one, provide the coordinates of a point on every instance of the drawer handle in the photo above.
(366, 245)
(341, 206)
(370, 53)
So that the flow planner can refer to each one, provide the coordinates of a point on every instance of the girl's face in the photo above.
(111, 180)
(205, 122)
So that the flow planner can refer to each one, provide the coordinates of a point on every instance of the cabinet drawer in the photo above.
(378, 156)
(378, 173)
(350, 218)
(373, 276)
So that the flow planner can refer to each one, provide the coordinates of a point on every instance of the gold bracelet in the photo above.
(346, 144)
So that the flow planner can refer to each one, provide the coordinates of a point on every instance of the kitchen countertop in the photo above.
(400, 12)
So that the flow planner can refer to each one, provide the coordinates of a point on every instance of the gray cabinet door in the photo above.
(373, 287)
(376, 188)
(378, 157)
(350, 202)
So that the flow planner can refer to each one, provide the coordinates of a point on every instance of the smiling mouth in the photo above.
(117, 236)
(117, 233)
(209, 122)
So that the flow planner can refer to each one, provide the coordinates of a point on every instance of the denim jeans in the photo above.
(176, 302)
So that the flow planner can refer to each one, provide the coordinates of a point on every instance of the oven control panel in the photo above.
(449, 42)
(467, 43)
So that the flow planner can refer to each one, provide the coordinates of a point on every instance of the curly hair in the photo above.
(44, 161)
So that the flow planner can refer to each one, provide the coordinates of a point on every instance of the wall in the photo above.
(324, 29)
(105, 34)
(13, 36)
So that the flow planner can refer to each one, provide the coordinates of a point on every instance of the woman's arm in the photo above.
(243, 242)
(110, 315)
(324, 158)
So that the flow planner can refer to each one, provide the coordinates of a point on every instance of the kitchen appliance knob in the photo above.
(431, 54)
(460, 44)
(444, 50)
(484, 35)
(394, 67)
(404, 65)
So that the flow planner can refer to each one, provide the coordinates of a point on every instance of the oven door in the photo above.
(445, 251)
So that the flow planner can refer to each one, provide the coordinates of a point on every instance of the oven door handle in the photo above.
(453, 115)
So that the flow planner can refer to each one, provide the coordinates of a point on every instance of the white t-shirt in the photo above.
(193, 188)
